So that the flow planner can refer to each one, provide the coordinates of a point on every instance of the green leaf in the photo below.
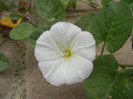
(113, 25)
(132, 42)
(50, 10)
(106, 82)
(73, 3)
(131, 6)
(92, 1)
(36, 33)
(4, 62)
(21, 31)
(105, 2)
(128, 1)
(85, 21)
(64, 2)
(15, 16)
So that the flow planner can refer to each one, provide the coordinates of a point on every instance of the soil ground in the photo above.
(23, 79)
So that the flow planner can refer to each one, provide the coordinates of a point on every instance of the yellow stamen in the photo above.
(67, 53)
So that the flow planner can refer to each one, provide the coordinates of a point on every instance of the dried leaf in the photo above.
(19, 21)
(8, 22)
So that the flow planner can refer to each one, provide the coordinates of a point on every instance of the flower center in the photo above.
(67, 53)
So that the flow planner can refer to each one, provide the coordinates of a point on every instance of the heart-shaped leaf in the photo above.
(50, 10)
(4, 62)
(21, 31)
(85, 21)
(113, 25)
(105, 2)
(106, 82)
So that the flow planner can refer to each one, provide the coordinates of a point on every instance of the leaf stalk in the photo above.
(103, 49)
(126, 65)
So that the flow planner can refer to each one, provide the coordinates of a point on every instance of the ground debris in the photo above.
(18, 89)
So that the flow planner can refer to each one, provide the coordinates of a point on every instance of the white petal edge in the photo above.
(43, 53)
(47, 40)
(83, 67)
(84, 39)
(73, 75)
(47, 67)
(87, 52)
(64, 32)
(54, 71)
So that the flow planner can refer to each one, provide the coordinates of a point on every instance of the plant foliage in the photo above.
(4, 62)
(36, 33)
(113, 25)
(83, 22)
(106, 82)
(50, 10)
(21, 31)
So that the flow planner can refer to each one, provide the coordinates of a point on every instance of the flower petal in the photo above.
(83, 66)
(84, 39)
(43, 53)
(54, 71)
(47, 67)
(87, 52)
(47, 40)
(46, 48)
(72, 75)
(64, 33)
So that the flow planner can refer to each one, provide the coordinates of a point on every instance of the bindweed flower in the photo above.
(65, 54)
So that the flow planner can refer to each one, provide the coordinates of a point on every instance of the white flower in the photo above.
(65, 54)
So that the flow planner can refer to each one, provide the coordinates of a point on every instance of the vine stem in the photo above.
(125, 65)
(103, 49)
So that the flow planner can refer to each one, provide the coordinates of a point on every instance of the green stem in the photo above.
(103, 49)
(125, 65)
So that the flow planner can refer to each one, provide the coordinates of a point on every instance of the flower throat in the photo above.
(67, 53)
